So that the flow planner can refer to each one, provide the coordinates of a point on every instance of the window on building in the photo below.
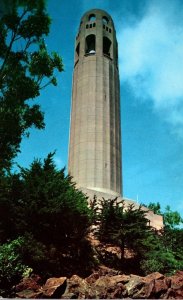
(87, 26)
(94, 24)
(90, 44)
(92, 17)
(106, 46)
(90, 25)
(105, 20)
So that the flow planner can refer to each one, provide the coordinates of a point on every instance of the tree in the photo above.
(122, 225)
(45, 209)
(26, 68)
(171, 218)
(166, 245)
(155, 207)
(44, 202)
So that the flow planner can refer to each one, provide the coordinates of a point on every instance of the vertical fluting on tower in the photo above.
(95, 135)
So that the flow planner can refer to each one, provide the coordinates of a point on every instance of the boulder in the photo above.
(134, 285)
(160, 287)
(177, 280)
(29, 283)
(76, 288)
(29, 287)
(176, 289)
(29, 294)
(107, 287)
(54, 287)
(154, 276)
(104, 284)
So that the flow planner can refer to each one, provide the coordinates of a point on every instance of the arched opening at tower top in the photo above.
(105, 20)
(106, 46)
(90, 46)
(92, 18)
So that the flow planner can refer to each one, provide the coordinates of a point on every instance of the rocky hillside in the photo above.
(103, 284)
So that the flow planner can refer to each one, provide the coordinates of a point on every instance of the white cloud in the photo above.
(151, 59)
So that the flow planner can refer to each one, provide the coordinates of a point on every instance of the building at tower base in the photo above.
(155, 221)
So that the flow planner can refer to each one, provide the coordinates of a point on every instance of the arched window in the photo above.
(92, 18)
(105, 20)
(90, 44)
(106, 46)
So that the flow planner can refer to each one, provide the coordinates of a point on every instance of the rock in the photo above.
(177, 280)
(29, 294)
(134, 284)
(107, 287)
(155, 275)
(54, 287)
(29, 283)
(160, 288)
(176, 289)
(76, 288)
(104, 284)
(29, 287)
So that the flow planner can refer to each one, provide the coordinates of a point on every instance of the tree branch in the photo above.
(13, 38)
(45, 85)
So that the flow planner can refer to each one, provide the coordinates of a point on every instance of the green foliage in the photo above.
(26, 67)
(172, 218)
(19, 258)
(122, 225)
(44, 202)
(44, 196)
(161, 261)
(155, 207)
(164, 252)
(128, 227)
(11, 263)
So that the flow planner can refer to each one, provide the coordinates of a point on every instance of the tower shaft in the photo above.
(95, 136)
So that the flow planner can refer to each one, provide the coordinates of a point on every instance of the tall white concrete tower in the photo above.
(95, 135)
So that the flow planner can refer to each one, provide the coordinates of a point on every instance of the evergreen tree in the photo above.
(122, 225)
(45, 203)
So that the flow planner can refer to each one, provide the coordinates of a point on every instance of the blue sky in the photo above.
(150, 38)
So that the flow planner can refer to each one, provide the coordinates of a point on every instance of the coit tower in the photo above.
(95, 135)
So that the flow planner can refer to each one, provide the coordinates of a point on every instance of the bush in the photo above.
(11, 264)
(161, 261)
